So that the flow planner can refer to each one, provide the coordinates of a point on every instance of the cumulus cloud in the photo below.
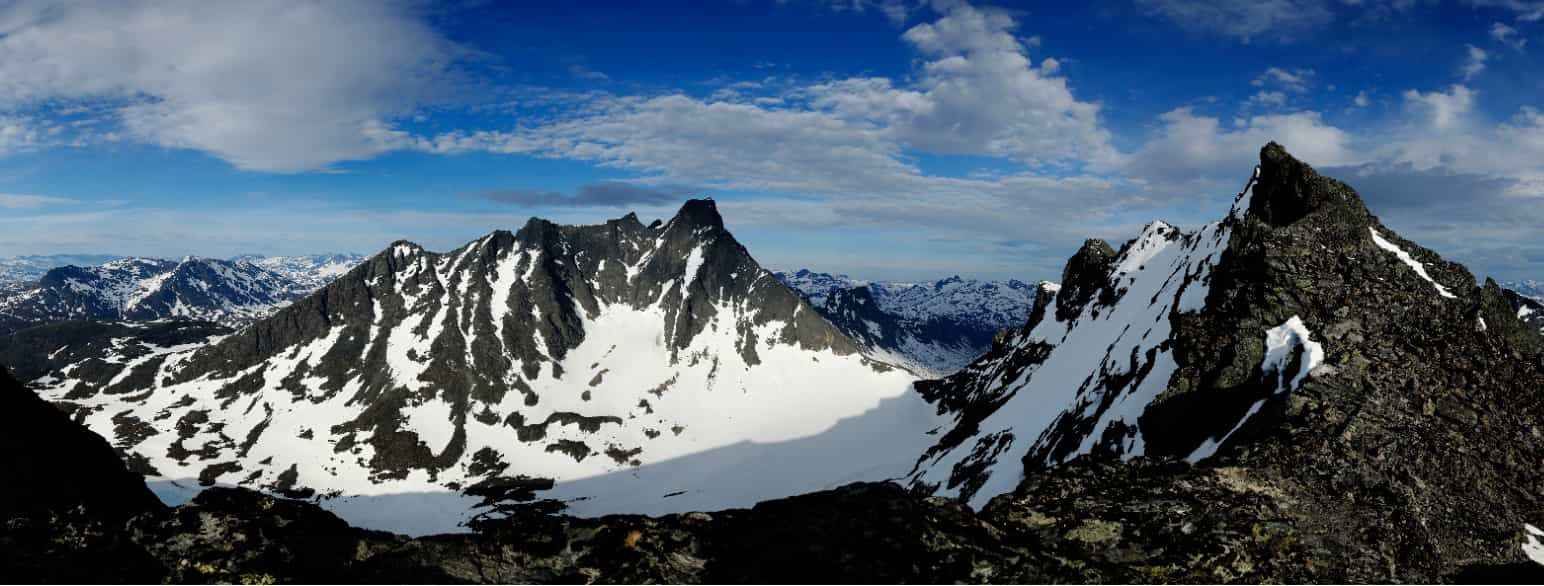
(1443, 110)
(1190, 147)
(282, 86)
(978, 92)
(1361, 100)
(610, 194)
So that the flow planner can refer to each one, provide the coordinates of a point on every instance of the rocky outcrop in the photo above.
(1386, 405)
(52, 465)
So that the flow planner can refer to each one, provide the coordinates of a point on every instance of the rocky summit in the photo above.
(1294, 393)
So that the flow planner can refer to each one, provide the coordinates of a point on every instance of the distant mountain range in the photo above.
(231, 292)
(1528, 288)
(20, 269)
(310, 269)
(309, 272)
(938, 326)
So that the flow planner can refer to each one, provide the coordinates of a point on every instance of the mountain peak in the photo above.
(631, 219)
(1288, 189)
(1086, 273)
(700, 212)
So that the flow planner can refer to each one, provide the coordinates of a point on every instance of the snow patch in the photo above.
(1282, 344)
(1533, 544)
(1410, 261)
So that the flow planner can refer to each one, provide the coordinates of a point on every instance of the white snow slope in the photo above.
(1163, 271)
(633, 425)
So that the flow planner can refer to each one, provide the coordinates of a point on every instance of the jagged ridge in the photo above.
(561, 352)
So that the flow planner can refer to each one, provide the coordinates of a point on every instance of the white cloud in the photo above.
(32, 202)
(977, 93)
(1268, 99)
(1296, 80)
(1443, 110)
(1474, 62)
(1361, 100)
(1508, 36)
(270, 86)
(1196, 149)
(17, 134)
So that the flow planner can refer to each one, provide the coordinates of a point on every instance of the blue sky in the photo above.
(885, 139)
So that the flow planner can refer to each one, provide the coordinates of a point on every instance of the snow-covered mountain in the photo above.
(308, 271)
(939, 326)
(1529, 308)
(24, 269)
(140, 289)
(622, 367)
(1527, 288)
(1189, 344)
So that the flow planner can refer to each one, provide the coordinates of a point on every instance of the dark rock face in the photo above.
(1086, 274)
(1404, 456)
(51, 464)
(1409, 370)
(38, 350)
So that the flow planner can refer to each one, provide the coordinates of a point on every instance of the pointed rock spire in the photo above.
(1289, 189)
(700, 212)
